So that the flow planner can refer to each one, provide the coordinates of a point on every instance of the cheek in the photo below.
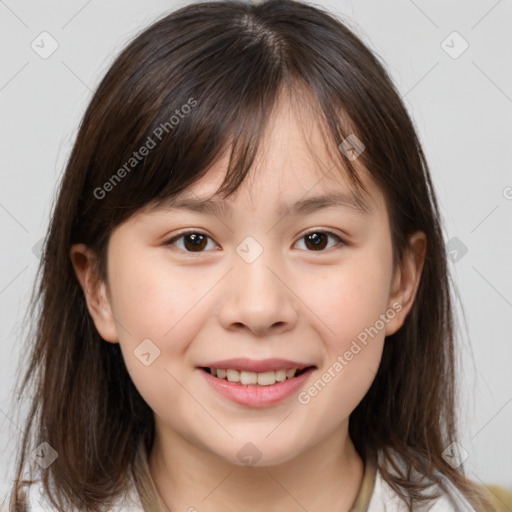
(349, 302)
(150, 301)
(349, 299)
(155, 312)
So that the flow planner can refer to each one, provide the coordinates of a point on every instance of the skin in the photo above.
(292, 302)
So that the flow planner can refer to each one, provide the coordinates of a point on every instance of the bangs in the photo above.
(203, 83)
(239, 135)
(198, 85)
(186, 97)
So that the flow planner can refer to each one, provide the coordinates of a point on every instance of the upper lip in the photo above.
(257, 366)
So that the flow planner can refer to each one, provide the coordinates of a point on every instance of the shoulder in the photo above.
(385, 499)
(38, 501)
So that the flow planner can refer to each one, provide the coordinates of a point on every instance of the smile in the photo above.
(256, 388)
(268, 378)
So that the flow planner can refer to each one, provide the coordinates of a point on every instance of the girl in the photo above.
(244, 301)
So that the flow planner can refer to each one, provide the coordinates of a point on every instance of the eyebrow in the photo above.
(301, 207)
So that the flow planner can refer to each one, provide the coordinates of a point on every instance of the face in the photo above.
(256, 280)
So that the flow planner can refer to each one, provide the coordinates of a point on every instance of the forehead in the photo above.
(305, 192)
(295, 161)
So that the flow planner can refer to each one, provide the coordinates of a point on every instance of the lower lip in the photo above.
(256, 396)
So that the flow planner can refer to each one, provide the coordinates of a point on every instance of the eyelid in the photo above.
(188, 232)
(319, 230)
(177, 236)
(341, 240)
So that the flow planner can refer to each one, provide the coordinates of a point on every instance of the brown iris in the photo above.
(194, 241)
(318, 241)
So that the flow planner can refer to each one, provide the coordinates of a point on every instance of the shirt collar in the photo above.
(151, 499)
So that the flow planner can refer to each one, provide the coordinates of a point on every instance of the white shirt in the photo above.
(38, 502)
(383, 499)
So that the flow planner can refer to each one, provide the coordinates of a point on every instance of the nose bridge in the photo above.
(256, 297)
(253, 262)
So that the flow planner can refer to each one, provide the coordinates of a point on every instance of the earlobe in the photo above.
(85, 265)
(406, 281)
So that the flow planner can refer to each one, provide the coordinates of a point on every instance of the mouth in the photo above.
(256, 384)
(252, 378)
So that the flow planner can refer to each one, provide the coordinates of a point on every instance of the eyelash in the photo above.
(196, 232)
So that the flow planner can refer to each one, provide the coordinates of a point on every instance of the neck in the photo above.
(326, 477)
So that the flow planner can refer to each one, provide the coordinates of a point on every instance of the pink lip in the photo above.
(253, 395)
(252, 365)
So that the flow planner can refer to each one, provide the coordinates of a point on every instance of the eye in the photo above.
(196, 241)
(317, 240)
(193, 241)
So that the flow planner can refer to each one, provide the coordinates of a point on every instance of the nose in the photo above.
(257, 298)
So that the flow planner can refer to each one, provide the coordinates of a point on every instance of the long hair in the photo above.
(199, 81)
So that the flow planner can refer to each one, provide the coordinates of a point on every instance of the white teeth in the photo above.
(251, 378)
(233, 375)
(266, 378)
(248, 377)
(280, 375)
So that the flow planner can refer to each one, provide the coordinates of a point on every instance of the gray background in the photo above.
(462, 107)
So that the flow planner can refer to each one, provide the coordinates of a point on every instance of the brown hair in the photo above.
(229, 60)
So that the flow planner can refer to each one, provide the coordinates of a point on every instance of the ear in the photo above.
(84, 262)
(406, 281)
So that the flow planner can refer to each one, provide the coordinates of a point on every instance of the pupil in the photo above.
(198, 241)
(318, 239)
